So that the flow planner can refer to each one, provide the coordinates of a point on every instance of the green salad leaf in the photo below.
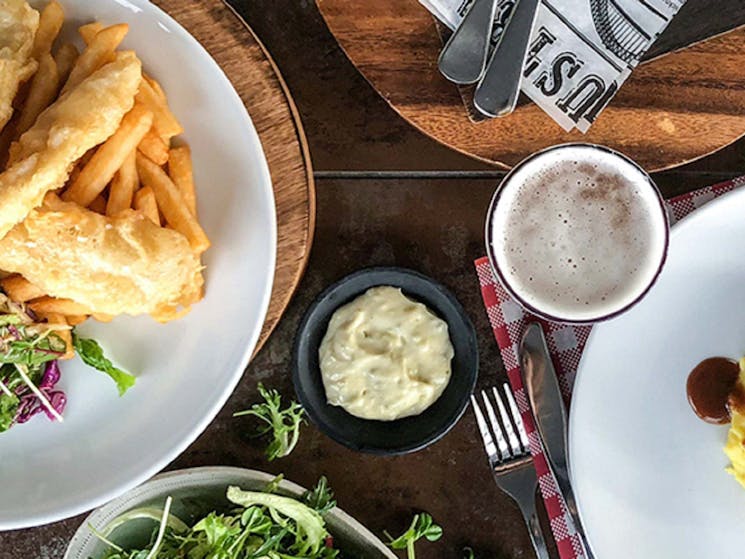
(422, 526)
(283, 424)
(8, 409)
(320, 498)
(262, 526)
(92, 355)
(310, 533)
(32, 350)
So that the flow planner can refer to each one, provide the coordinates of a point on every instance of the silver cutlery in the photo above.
(463, 58)
(547, 405)
(506, 446)
(496, 95)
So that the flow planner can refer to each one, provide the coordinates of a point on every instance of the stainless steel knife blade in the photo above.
(549, 412)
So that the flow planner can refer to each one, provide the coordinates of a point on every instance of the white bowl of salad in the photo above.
(223, 511)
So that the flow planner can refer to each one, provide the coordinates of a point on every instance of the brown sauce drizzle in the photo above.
(711, 385)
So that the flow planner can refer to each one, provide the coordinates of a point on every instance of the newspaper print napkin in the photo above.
(565, 343)
(581, 51)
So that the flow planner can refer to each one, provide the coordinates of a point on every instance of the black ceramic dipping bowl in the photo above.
(385, 437)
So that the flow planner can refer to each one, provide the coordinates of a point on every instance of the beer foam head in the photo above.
(578, 233)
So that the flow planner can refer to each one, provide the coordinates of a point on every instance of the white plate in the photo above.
(649, 475)
(186, 369)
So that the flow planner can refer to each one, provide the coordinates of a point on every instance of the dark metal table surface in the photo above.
(386, 195)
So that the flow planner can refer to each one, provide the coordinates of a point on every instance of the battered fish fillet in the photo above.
(112, 265)
(18, 25)
(82, 118)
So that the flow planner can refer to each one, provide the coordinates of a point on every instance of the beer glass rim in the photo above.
(489, 235)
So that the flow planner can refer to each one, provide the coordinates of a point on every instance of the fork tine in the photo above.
(511, 437)
(504, 450)
(491, 450)
(517, 417)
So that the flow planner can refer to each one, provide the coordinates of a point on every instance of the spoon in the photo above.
(463, 58)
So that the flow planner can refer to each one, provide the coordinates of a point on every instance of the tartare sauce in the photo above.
(385, 356)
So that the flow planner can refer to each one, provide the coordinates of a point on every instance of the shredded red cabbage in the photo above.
(30, 404)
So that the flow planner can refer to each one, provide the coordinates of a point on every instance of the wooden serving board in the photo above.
(672, 110)
(257, 80)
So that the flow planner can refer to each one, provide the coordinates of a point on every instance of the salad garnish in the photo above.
(261, 525)
(422, 526)
(283, 424)
(92, 355)
(30, 350)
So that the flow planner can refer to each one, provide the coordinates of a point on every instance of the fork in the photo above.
(510, 459)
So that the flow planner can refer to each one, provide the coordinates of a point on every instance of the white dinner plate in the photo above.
(649, 475)
(186, 369)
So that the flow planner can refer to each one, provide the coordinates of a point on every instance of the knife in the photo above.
(549, 413)
(497, 92)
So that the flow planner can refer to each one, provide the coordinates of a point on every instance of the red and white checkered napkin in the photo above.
(565, 343)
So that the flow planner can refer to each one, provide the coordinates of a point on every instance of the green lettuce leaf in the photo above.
(92, 355)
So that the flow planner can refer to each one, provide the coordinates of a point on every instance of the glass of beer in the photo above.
(577, 233)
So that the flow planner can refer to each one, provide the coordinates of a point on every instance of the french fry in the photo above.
(100, 317)
(45, 305)
(156, 87)
(164, 121)
(19, 289)
(154, 147)
(83, 161)
(64, 333)
(50, 22)
(123, 186)
(98, 205)
(41, 93)
(96, 54)
(171, 203)
(6, 139)
(53, 202)
(145, 203)
(75, 319)
(74, 174)
(181, 173)
(109, 157)
(89, 31)
(65, 58)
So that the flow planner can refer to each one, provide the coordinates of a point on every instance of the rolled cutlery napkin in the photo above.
(581, 51)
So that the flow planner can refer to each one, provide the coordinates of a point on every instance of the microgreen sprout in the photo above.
(422, 526)
(282, 424)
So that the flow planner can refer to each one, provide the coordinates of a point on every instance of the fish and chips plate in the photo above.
(137, 249)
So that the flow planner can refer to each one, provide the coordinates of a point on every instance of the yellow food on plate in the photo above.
(88, 114)
(735, 447)
(109, 157)
(123, 264)
(41, 159)
(94, 218)
(96, 54)
(50, 22)
(18, 25)
(19, 289)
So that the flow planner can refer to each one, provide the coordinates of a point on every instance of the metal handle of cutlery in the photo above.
(496, 94)
(547, 403)
(464, 57)
(530, 514)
